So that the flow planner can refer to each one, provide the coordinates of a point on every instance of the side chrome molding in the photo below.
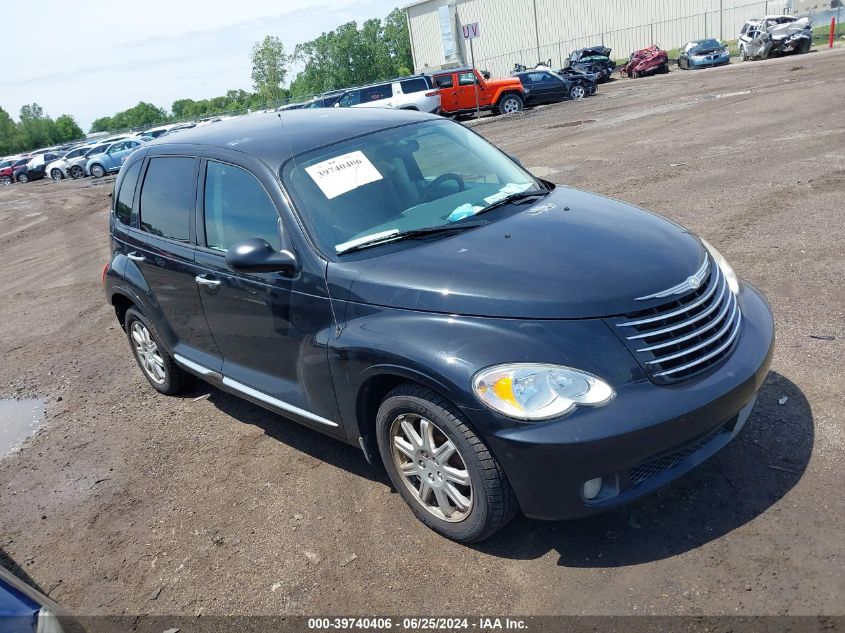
(248, 391)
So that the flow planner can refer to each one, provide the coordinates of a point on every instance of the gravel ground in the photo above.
(129, 502)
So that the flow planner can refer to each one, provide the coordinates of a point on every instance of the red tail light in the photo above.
(105, 270)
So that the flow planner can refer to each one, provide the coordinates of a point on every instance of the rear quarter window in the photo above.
(414, 85)
(444, 81)
(168, 197)
(126, 194)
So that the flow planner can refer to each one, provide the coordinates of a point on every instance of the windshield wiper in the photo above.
(514, 197)
(396, 235)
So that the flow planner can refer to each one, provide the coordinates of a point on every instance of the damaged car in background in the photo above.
(593, 60)
(646, 61)
(775, 35)
(704, 54)
(545, 86)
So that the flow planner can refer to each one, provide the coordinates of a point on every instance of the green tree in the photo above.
(9, 139)
(103, 124)
(269, 68)
(35, 129)
(67, 129)
(351, 56)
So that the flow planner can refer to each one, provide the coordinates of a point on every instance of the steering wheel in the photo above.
(431, 188)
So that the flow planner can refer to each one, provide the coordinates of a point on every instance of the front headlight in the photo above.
(724, 266)
(535, 391)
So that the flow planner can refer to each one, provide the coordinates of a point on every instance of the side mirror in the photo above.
(257, 256)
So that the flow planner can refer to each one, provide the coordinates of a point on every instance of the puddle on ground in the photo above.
(18, 420)
(570, 124)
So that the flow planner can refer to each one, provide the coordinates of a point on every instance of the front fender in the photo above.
(443, 352)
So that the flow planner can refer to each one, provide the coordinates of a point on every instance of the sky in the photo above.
(94, 58)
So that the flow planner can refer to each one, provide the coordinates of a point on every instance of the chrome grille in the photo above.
(680, 338)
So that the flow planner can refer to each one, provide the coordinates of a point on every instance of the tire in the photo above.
(743, 57)
(172, 379)
(487, 499)
(76, 172)
(635, 74)
(97, 170)
(664, 68)
(577, 92)
(56, 174)
(22, 178)
(511, 103)
(806, 45)
(5, 180)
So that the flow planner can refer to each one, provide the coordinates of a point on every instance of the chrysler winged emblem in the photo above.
(690, 283)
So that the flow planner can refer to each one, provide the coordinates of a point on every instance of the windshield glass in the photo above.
(411, 177)
(707, 45)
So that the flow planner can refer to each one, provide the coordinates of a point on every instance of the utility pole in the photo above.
(721, 21)
(536, 30)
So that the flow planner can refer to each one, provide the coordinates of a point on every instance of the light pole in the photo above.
(536, 30)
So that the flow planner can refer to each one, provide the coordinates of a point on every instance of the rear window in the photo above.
(123, 206)
(443, 81)
(167, 197)
(414, 85)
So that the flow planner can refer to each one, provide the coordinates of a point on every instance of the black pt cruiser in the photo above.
(393, 280)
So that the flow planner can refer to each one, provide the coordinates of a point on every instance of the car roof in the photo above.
(274, 137)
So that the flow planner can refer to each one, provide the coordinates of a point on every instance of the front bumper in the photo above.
(707, 63)
(646, 437)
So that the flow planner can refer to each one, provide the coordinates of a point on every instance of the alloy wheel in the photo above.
(431, 467)
(97, 171)
(577, 92)
(5, 180)
(510, 106)
(76, 172)
(56, 174)
(23, 178)
(147, 352)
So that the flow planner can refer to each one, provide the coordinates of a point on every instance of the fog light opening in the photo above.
(592, 488)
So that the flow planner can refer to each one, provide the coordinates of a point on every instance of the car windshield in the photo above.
(403, 179)
(707, 45)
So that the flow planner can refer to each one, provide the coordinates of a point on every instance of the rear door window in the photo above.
(237, 208)
(443, 81)
(123, 206)
(168, 197)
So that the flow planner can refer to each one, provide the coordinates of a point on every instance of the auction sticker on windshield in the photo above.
(344, 173)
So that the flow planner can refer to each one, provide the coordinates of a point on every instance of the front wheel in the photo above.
(743, 56)
(443, 471)
(97, 171)
(577, 92)
(23, 178)
(56, 174)
(510, 104)
(805, 46)
(76, 172)
(5, 180)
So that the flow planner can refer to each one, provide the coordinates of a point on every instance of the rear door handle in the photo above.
(208, 283)
(135, 257)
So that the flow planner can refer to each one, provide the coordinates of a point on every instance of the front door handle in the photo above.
(208, 283)
(135, 257)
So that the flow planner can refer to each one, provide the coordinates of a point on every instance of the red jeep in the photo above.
(457, 88)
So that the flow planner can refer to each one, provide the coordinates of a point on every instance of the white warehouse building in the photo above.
(529, 31)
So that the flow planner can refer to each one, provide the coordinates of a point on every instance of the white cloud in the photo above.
(104, 57)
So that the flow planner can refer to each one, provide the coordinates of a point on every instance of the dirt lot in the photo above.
(131, 502)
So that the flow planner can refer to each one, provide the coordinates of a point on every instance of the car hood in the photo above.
(595, 50)
(569, 255)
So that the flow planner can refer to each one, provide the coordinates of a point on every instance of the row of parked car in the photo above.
(90, 158)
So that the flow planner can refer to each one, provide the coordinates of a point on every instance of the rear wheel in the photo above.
(510, 104)
(443, 471)
(577, 92)
(76, 172)
(5, 180)
(23, 177)
(157, 365)
(97, 171)
(56, 174)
